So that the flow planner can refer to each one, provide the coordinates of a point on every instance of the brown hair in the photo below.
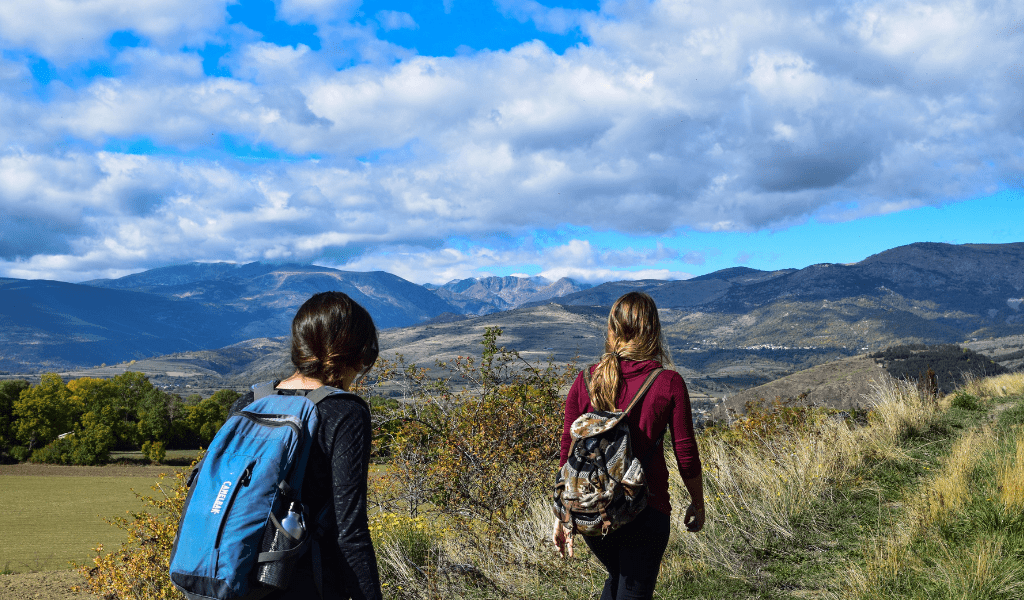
(634, 333)
(331, 334)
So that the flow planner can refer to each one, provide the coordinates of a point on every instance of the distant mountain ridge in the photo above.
(965, 277)
(53, 324)
(199, 306)
(281, 289)
(484, 295)
(921, 293)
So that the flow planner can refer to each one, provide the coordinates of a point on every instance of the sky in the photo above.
(445, 139)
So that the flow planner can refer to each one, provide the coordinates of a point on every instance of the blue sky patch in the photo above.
(260, 16)
(450, 27)
(125, 39)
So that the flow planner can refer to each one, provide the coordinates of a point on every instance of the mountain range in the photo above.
(50, 324)
(734, 328)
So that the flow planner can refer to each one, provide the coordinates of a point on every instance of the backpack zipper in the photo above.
(243, 480)
(266, 420)
(273, 421)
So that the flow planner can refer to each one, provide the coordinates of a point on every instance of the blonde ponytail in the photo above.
(634, 333)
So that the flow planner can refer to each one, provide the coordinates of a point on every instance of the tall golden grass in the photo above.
(999, 386)
(962, 493)
(1010, 479)
(755, 488)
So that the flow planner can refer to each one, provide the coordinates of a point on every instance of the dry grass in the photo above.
(1000, 386)
(1010, 479)
(438, 559)
(981, 570)
(755, 489)
(957, 537)
(899, 407)
(950, 489)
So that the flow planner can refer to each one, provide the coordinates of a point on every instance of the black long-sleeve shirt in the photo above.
(336, 477)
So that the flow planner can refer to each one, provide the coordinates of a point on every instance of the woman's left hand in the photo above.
(694, 518)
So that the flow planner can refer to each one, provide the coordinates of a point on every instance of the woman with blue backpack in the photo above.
(276, 509)
(334, 343)
(623, 510)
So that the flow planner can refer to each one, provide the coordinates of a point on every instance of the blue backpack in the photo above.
(237, 494)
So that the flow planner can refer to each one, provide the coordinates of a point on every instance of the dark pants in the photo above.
(632, 554)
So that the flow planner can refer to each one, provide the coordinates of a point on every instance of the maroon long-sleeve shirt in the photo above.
(666, 405)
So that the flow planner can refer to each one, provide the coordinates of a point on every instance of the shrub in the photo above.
(478, 444)
(411, 539)
(154, 451)
(20, 453)
(139, 569)
(90, 446)
(966, 401)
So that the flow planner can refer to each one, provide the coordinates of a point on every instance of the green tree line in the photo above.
(81, 421)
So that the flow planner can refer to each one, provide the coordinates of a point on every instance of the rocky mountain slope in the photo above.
(206, 305)
(484, 295)
(927, 293)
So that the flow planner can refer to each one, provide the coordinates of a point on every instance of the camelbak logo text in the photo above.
(221, 495)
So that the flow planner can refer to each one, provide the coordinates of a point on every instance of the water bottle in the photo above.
(278, 573)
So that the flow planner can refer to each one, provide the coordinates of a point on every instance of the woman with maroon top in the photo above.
(635, 347)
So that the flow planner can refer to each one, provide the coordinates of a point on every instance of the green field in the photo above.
(174, 458)
(48, 521)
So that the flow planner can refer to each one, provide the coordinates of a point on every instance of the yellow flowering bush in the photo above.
(138, 570)
(412, 536)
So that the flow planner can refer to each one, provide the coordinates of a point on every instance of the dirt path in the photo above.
(993, 415)
(47, 585)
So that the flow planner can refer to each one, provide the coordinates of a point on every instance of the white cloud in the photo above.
(71, 31)
(721, 116)
(577, 259)
(391, 20)
(552, 20)
(318, 11)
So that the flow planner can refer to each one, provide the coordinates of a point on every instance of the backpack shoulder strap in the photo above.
(269, 388)
(587, 382)
(643, 388)
(322, 392)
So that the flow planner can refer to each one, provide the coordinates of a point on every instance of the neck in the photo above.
(299, 381)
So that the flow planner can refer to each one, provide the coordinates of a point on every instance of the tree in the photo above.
(479, 443)
(45, 411)
(131, 389)
(154, 426)
(98, 399)
(10, 391)
(201, 420)
(225, 398)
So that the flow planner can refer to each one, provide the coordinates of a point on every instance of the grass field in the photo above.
(49, 520)
(179, 458)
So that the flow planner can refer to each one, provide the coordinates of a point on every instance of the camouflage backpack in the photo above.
(601, 486)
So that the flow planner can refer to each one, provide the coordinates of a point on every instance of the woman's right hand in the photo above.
(562, 539)
(694, 518)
